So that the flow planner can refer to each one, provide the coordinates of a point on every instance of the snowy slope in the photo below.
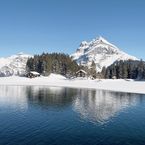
(101, 52)
(13, 65)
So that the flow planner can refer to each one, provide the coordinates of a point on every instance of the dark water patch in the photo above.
(66, 116)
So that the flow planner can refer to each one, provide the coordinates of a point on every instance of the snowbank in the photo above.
(61, 81)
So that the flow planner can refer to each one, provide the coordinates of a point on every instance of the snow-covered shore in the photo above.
(58, 80)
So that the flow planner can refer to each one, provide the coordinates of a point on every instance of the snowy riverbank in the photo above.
(58, 80)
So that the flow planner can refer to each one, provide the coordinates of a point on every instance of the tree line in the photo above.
(63, 64)
(125, 70)
(52, 63)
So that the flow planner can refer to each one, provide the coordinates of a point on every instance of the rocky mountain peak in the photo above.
(101, 51)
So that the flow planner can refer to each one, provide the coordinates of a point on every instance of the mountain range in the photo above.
(99, 50)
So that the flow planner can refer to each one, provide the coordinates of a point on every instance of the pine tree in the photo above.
(140, 70)
(103, 72)
(124, 71)
(93, 70)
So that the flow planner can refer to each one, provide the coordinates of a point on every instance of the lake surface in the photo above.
(65, 116)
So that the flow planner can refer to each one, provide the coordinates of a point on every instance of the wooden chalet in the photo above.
(81, 73)
(32, 74)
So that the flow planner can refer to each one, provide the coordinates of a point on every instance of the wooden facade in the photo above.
(81, 73)
(32, 74)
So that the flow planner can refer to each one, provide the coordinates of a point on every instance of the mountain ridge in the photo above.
(14, 64)
(102, 52)
(99, 50)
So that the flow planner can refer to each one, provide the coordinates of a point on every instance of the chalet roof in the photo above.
(34, 73)
(81, 71)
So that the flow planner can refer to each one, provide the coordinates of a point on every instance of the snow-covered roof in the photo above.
(81, 71)
(34, 72)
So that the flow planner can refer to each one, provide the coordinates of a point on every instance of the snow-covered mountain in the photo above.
(101, 52)
(13, 65)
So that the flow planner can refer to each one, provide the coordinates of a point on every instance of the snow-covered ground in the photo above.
(58, 80)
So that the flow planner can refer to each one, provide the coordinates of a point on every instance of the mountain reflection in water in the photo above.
(92, 105)
(100, 106)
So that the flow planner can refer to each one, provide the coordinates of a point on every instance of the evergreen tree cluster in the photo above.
(125, 70)
(52, 63)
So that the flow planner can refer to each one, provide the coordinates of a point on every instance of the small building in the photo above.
(81, 73)
(114, 77)
(32, 74)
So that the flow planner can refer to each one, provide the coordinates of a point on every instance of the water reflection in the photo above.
(93, 105)
(52, 96)
(13, 97)
(100, 106)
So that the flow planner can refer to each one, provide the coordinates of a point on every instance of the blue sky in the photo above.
(36, 26)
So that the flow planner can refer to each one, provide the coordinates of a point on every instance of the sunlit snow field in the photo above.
(120, 85)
